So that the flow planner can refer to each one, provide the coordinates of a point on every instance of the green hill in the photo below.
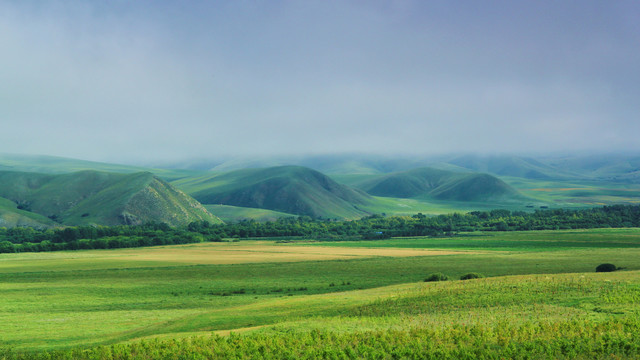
(514, 166)
(440, 185)
(228, 213)
(93, 197)
(616, 167)
(58, 165)
(11, 216)
(289, 189)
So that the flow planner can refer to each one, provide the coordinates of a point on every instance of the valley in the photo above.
(287, 254)
(348, 187)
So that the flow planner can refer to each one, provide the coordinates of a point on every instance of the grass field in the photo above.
(540, 284)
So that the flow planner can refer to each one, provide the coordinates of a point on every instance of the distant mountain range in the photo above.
(620, 167)
(51, 191)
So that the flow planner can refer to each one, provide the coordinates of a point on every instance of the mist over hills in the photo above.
(94, 197)
(59, 165)
(619, 166)
(346, 186)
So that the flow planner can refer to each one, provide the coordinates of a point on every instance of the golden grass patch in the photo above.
(260, 251)
(200, 254)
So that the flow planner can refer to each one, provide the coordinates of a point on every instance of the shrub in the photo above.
(606, 268)
(436, 277)
(471, 276)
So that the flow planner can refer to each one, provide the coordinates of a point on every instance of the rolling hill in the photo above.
(440, 185)
(289, 189)
(514, 166)
(613, 167)
(94, 197)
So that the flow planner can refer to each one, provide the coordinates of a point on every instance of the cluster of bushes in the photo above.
(372, 227)
(442, 277)
(607, 268)
(381, 227)
(98, 237)
(473, 275)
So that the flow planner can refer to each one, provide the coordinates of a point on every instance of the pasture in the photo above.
(292, 292)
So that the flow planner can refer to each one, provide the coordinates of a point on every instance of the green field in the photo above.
(540, 284)
(518, 241)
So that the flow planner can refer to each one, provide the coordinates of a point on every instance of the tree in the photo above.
(7, 247)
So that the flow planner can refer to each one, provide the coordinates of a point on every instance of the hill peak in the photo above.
(440, 185)
(98, 197)
(291, 189)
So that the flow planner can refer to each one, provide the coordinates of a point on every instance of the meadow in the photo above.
(541, 298)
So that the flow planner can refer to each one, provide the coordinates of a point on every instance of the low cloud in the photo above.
(143, 81)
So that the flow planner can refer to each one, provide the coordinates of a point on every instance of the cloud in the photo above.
(156, 80)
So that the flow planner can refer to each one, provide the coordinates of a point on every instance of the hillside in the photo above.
(615, 167)
(289, 189)
(93, 197)
(45, 164)
(515, 166)
(440, 185)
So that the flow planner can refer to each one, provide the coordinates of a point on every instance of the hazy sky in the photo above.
(151, 80)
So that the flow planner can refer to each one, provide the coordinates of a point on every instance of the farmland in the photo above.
(267, 292)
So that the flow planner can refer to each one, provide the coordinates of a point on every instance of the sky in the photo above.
(143, 80)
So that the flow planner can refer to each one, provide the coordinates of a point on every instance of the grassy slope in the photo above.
(575, 181)
(441, 185)
(11, 216)
(616, 167)
(228, 213)
(516, 166)
(577, 193)
(289, 189)
(533, 317)
(59, 165)
(97, 197)
(118, 297)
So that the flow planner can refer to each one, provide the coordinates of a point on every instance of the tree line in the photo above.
(25, 239)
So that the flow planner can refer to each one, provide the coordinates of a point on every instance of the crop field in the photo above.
(541, 298)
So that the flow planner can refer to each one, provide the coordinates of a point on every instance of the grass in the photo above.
(502, 317)
(343, 292)
(537, 241)
(440, 184)
(289, 189)
(228, 213)
(93, 197)
(577, 193)
(400, 206)
(11, 216)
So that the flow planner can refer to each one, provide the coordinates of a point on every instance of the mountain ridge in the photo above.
(290, 189)
(96, 197)
(440, 185)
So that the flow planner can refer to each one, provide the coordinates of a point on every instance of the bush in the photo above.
(470, 276)
(606, 268)
(436, 277)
